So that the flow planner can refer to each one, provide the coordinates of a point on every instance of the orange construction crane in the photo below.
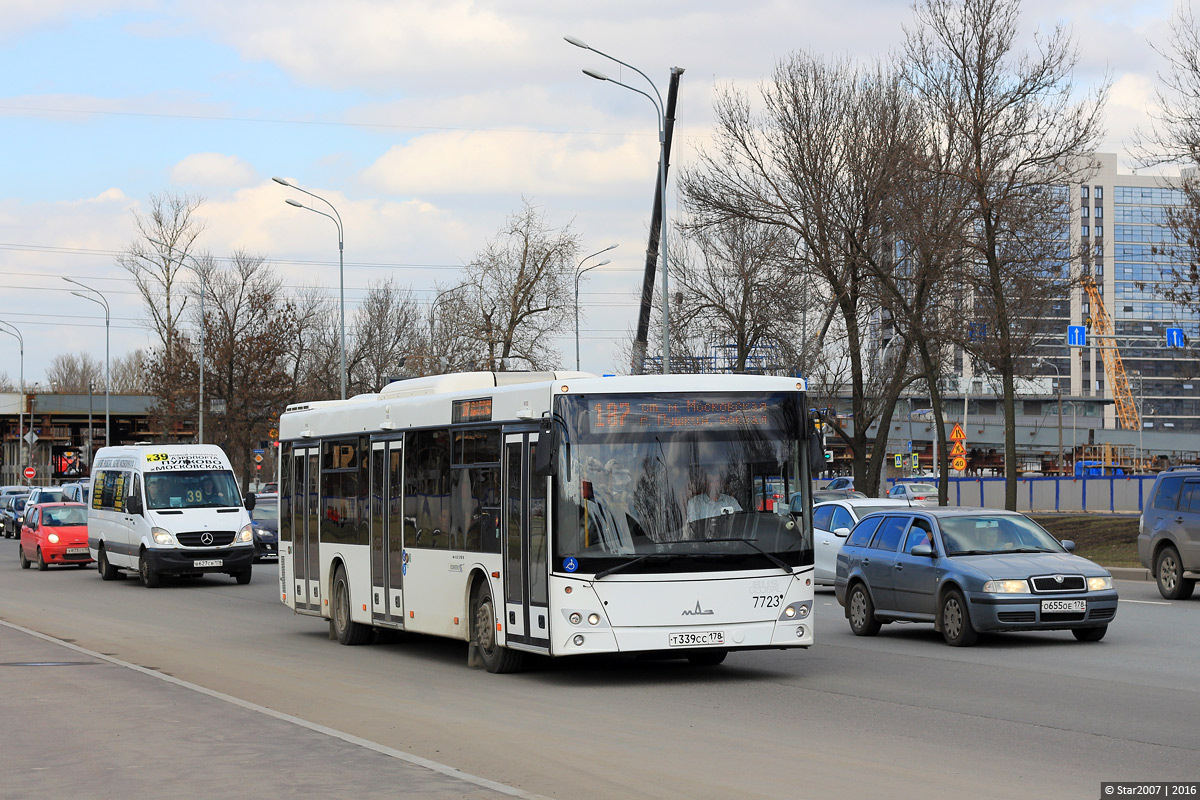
(1114, 370)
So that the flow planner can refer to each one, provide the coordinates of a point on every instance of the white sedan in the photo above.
(917, 494)
(832, 522)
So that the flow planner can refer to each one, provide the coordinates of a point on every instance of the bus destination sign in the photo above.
(677, 413)
(478, 410)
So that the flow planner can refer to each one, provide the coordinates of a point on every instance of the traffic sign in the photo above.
(258, 456)
(957, 434)
(1176, 337)
(30, 472)
(257, 450)
(1076, 336)
(958, 450)
(959, 463)
(31, 437)
(899, 460)
(273, 433)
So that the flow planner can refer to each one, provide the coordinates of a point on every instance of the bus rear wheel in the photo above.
(495, 657)
(347, 631)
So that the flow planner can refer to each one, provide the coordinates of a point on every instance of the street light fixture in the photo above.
(21, 420)
(337, 220)
(103, 301)
(660, 110)
(1058, 383)
(578, 274)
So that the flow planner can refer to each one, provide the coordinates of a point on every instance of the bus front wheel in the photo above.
(495, 657)
(348, 631)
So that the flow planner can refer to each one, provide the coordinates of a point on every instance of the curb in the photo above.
(1130, 573)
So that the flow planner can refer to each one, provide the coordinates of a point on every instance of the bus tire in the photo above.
(107, 571)
(347, 631)
(496, 658)
(150, 578)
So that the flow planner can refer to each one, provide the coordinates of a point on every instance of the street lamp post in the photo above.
(89, 433)
(1058, 383)
(660, 110)
(103, 301)
(337, 220)
(578, 274)
(22, 445)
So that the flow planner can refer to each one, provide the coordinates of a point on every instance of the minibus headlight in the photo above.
(246, 534)
(161, 536)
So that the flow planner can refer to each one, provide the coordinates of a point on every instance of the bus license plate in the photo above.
(697, 639)
(77, 551)
(209, 562)
(1063, 606)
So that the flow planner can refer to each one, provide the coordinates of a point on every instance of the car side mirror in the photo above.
(842, 532)
(250, 500)
(1068, 545)
(923, 550)
(133, 504)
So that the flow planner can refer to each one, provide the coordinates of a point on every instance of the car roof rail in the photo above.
(1183, 467)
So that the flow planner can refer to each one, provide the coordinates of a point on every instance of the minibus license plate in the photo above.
(209, 562)
(1063, 606)
(697, 639)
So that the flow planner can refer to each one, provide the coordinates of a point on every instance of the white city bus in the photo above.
(554, 513)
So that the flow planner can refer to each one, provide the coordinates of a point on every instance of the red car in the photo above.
(55, 533)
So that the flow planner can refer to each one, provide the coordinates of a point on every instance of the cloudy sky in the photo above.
(424, 123)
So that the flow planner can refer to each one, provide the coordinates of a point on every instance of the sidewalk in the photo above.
(80, 725)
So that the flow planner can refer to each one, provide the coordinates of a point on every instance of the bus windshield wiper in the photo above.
(774, 559)
(624, 565)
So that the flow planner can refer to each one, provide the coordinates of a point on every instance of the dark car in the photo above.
(265, 519)
(1169, 532)
(968, 570)
(825, 495)
(12, 515)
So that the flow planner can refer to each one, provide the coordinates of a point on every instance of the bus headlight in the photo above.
(246, 534)
(578, 640)
(575, 618)
(593, 618)
(161, 536)
(799, 610)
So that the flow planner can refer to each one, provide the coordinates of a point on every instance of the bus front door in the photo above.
(525, 546)
(387, 523)
(306, 517)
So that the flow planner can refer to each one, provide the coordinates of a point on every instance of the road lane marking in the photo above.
(443, 769)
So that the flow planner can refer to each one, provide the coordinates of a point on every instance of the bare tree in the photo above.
(1015, 132)
(7, 384)
(520, 290)
(313, 359)
(820, 161)
(166, 240)
(72, 372)
(128, 373)
(388, 338)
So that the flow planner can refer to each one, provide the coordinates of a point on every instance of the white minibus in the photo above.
(168, 510)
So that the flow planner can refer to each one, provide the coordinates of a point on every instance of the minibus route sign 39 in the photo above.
(166, 462)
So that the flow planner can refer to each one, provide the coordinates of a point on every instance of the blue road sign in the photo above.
(259, 451)
(1175, 338)
(1076, 336)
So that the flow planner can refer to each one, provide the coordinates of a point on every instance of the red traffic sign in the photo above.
(30, 472)
(957, 434)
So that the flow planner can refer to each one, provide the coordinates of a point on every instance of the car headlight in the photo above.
(1007, 587)
(246, 534)
(161, 536)
(1099, 584)
(52, 538)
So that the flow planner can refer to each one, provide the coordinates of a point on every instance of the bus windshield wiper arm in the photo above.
(627, 564)
(774, 559)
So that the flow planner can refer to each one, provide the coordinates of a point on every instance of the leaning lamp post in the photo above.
(660, 110)
(337, 220)
(579, 270)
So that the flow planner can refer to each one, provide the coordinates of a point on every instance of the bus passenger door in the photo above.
(306, 516)
(525, 545)
(386, 525)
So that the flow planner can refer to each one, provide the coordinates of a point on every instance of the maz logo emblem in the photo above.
(206, 538)
(697, 612)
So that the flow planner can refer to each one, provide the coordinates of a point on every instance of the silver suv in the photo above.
(1169, 532)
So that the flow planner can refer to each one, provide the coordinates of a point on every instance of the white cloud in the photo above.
(212, 169)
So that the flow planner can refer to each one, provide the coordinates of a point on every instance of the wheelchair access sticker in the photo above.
(570, 564)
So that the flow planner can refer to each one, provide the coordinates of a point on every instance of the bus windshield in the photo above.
(673, 475)
(191, 489)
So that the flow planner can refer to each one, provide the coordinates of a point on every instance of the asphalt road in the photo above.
(897, 716)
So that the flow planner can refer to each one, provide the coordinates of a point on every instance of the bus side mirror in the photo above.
(546, 462)
(250, 501)
(133, 504)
